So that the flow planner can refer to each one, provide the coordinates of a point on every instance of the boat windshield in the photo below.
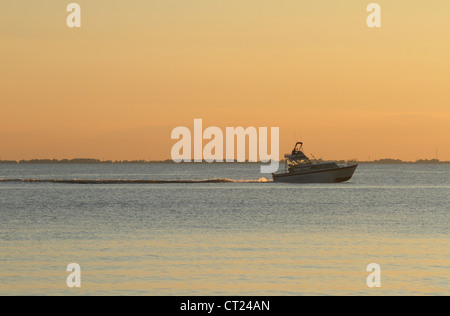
(298, 159)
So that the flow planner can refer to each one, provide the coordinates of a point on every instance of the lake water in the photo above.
(231, 238)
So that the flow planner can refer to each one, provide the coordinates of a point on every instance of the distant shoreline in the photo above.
(97, 161)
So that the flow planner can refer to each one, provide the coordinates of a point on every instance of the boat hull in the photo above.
(335, 175)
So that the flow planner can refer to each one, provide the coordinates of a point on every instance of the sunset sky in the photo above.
(136, 69)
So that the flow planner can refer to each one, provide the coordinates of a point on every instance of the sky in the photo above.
(116, 87)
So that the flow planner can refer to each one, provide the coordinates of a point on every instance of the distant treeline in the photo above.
(398, 161)
(79, 161)
(97, 161)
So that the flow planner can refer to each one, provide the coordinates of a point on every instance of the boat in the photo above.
(300, 169)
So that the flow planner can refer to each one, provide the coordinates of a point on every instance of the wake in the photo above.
(124, 181)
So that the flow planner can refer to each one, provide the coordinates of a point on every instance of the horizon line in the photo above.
(143, 161)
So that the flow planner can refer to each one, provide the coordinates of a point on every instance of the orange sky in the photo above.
(116, 88)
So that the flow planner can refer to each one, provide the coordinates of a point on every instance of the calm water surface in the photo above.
(234, 238)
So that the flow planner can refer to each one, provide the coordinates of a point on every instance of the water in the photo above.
(223, 238)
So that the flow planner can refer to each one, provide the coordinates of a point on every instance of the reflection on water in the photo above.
(223, 238)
